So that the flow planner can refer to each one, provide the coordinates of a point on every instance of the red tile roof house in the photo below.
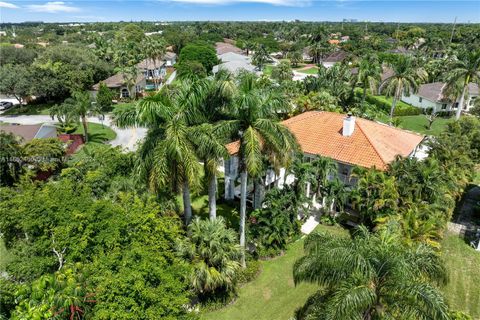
(348, 140)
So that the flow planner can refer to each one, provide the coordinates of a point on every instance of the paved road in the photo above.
(127, 138)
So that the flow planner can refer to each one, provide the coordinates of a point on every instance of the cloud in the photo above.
(52, 7)
(289, 3)
(8, 5)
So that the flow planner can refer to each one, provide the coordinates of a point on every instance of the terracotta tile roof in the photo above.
(372, 144)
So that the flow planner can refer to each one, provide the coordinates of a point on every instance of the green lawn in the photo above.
(273, 294)
(267, 70)
(31, 109)
(463, 264)
(419, 124)
(312, 70)
(97, 133)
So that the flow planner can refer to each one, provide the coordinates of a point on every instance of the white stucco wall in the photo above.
(414, 100)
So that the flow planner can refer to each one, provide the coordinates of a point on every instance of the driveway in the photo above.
(126, 138)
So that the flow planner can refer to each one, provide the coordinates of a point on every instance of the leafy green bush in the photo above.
(401, 109)
(250, 272)
(276, 225)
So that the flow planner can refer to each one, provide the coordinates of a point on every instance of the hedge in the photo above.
(401, 109)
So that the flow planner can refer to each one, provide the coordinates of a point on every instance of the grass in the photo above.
(273, 294)
(312, 70)
(463, 265)
(32, 109)
(97, 133)
(267, 70)
(419, 124)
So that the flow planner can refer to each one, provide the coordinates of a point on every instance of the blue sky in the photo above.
(252, 10)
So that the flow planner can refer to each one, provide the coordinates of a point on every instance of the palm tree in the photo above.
(154, 50)
(83, 105)
(371, 276)
(168, 156)
(405, 79)
(295, 57)
(464, 69)
(211, 149)
(260, 57)
(255, 125)
(369, 75)
(211, 248)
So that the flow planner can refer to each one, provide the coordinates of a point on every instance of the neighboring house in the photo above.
(225, 47)
(170, 58)
(345, 39)
(234, 63)
(349, 141)
(152, 69)
(117, 84)
(335, 57)
(431, 95)
(306, 54)
(28, 132)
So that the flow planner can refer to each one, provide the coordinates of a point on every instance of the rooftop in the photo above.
(434, 91)
(28, 132)
(372, 144)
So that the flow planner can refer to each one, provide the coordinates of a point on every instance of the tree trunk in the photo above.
(85, 128)
(258, 193)
(212, 197)
(392, 110)
(187, 207)
(460, 103)
(243, 210)
(364, 95)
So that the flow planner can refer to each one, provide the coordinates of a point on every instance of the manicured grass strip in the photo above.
(273, 295)
(312, 70)
(97, 133)
(34, 109)
(463, 265)
(420, 124)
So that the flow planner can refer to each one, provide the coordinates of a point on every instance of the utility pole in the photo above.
(453, 29)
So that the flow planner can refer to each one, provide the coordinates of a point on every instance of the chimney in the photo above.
(348, 125)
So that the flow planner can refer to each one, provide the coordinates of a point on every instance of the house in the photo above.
(170, 58)
(234, 63)
(18, 46)
(348, 140)
(118, 84)
(431, 96)
(225, 47)
(335, 57)
(28, 132)
(152, 69)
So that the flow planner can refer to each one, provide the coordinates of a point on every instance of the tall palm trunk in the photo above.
(212, 197)
(364, 94)
(243, 210)
(187, 206)
(396, 96)
(258, 193)
(462, 101)
(85, 127)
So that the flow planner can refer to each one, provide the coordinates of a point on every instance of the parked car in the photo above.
(5, 105)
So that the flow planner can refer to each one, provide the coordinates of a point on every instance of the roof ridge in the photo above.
(373, 146)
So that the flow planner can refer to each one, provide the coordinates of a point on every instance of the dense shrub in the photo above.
(401, 109)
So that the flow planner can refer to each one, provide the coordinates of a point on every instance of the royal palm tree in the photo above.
(168, 155)
(368, 75)
(211, 248)
(372, 276)
(154, 50)
(405, 79)
(256, 127)
(211, 149)
(464, 69)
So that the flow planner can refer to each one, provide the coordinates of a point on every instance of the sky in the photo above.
(236, 10)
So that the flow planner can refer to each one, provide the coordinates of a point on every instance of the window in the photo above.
(444, 106)
(124, 93)
(455, 105)
(420, 99)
